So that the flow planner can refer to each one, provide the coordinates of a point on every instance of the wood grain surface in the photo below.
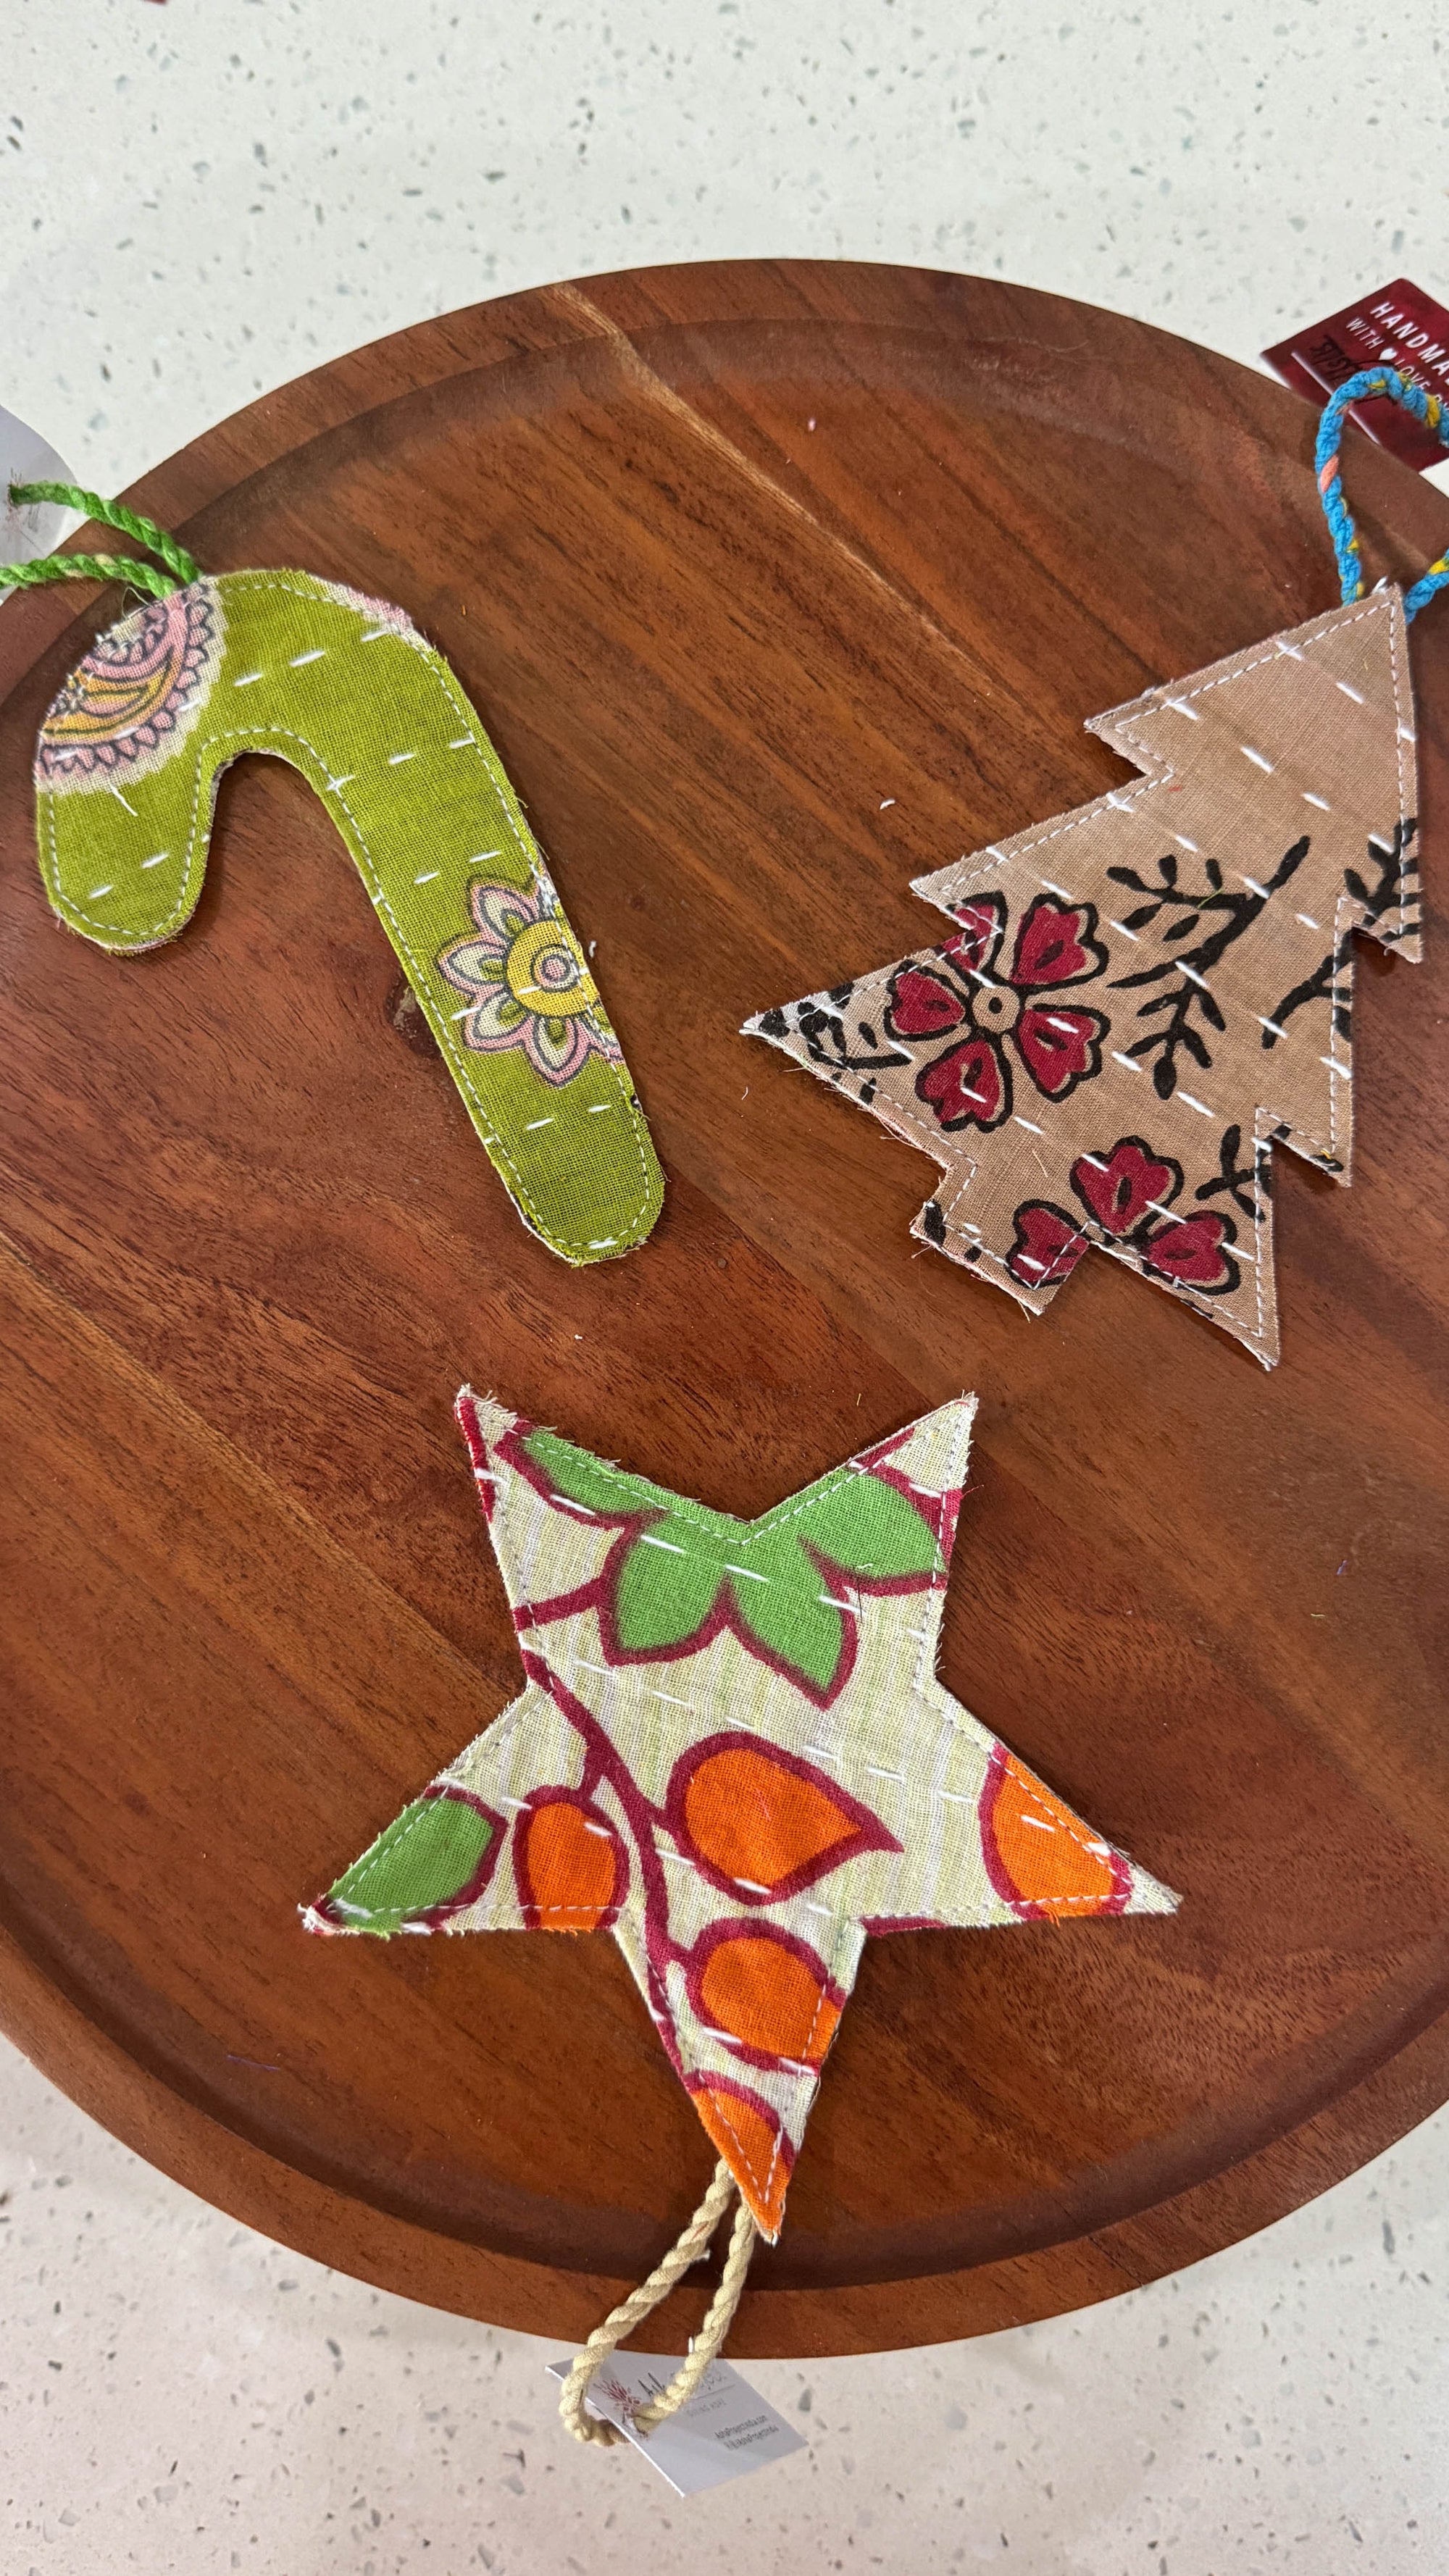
(727, 557)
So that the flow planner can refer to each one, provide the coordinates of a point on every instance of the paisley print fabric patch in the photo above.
(129, 706)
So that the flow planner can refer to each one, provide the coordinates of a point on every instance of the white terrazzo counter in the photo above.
(179, 2397)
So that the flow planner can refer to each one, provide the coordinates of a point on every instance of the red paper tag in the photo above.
(1397, 326)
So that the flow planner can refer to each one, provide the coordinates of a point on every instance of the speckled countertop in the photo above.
(201, 203)
(179, 2397)
(196, 204)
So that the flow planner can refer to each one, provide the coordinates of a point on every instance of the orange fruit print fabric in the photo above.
(732, 1752)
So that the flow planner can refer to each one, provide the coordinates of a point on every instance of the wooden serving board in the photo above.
(776, 586)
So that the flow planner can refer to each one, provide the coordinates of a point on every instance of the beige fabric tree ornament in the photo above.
(1141, 998)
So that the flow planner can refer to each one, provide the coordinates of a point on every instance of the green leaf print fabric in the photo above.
(434, 1856)
(680, 1566)
(346, 690)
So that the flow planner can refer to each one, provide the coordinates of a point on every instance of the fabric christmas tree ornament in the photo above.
(732, 1752)
(347, 691)
(1140, 998)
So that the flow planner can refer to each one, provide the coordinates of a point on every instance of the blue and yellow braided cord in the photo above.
(1428, 408)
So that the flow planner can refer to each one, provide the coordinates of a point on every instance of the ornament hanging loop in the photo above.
(1428, 408)
(692, 2246)
(108, 514)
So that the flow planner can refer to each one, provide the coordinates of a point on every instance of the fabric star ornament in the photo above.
(732, 1752)
(1141, 998)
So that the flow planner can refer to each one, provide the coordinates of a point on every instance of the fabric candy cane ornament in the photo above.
(347, 691)
(732, 1752)
(1141, 998)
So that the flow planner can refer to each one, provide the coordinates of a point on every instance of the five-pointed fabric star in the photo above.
(732, 1752)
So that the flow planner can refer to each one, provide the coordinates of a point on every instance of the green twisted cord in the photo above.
(43, 568)
(109, 514)
(114, 514)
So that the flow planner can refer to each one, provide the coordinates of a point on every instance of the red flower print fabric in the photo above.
(1002, 1018)
(1126, 1195)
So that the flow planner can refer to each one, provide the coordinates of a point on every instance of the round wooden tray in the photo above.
(727, 558)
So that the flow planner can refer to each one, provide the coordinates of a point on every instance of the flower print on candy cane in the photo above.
(955, 989)
(530, 985)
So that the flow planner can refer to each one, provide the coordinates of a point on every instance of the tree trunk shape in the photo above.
(346, 690)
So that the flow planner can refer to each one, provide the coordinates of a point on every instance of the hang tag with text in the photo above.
(1400, 326)
(725, 2431)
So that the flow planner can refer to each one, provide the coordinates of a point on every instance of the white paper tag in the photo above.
(25, 457)
(725, 2431)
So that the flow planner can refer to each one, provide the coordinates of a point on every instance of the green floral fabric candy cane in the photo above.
(346, 689)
